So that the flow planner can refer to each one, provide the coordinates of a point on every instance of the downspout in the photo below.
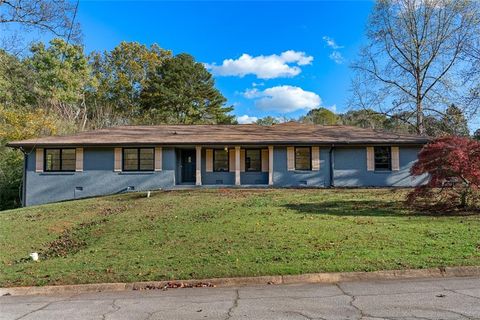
(332, 159)
(23, 200)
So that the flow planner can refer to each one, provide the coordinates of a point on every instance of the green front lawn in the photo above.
(219, 233)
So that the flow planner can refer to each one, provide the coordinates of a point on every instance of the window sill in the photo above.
(301, 171)
(136, 172)
(57, 173)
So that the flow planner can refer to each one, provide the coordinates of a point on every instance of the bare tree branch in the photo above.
(416, 53)
(51, 16)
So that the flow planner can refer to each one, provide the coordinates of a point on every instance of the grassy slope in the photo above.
(216, 233)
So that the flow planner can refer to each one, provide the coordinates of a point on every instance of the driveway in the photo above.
(445, 298)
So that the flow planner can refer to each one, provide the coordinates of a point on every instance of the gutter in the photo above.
(23, 199)
(332, 165)
(324, 278)
(204, 143)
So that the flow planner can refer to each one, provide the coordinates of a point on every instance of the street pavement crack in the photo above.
(150, 315)
(352, 303)
(464, 294)
(45, 306)
(115, 307)
(234, 305)
(434, 310)
(42, 308)
(36, 310)
(458, 313)
(346, 301)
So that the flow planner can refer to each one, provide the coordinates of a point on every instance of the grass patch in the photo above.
(226, 232)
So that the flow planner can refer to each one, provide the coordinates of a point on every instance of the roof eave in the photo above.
(266, 142)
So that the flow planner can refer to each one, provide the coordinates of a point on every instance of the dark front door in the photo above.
(188, 166)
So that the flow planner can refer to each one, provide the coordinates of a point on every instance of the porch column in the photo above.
(237, 165)
(198, 161)
(270, 165)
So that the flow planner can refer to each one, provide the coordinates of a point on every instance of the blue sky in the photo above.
(268, 58)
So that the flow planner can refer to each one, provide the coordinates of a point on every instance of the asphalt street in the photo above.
(445, 298)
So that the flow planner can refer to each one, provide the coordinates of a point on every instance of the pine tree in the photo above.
(181, 90)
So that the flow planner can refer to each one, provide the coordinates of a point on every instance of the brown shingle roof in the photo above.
(288, 133)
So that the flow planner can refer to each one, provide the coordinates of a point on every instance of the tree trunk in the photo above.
(420, 124)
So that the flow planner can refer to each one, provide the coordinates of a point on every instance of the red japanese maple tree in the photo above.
(453, 167)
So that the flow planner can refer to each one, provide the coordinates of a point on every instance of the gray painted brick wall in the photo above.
(350, 169)
(284, 178)
(99, 178)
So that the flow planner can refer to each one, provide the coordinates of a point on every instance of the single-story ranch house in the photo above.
(125, 158)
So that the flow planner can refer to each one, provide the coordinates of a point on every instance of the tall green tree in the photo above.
(434, 126)
(454, 122)
(451, 123)
(62, 78)
(365, 118)
(267, 121)
(122, 75)
(182, 90)
(321, 116)
(16, 82)
(17, 123)
(399, 123)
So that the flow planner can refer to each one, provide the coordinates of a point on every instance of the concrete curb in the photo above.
(333, 277)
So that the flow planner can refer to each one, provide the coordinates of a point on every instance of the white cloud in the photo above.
(287, 64)
(284, 99)
(337, 57)
(245, 119)
(298, 57)
(251, 93)
(330, 42)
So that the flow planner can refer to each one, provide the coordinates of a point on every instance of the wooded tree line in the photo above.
(58, 89)
(452, 122)
(131, 84)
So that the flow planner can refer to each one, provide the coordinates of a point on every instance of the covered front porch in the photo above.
(229, 165)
